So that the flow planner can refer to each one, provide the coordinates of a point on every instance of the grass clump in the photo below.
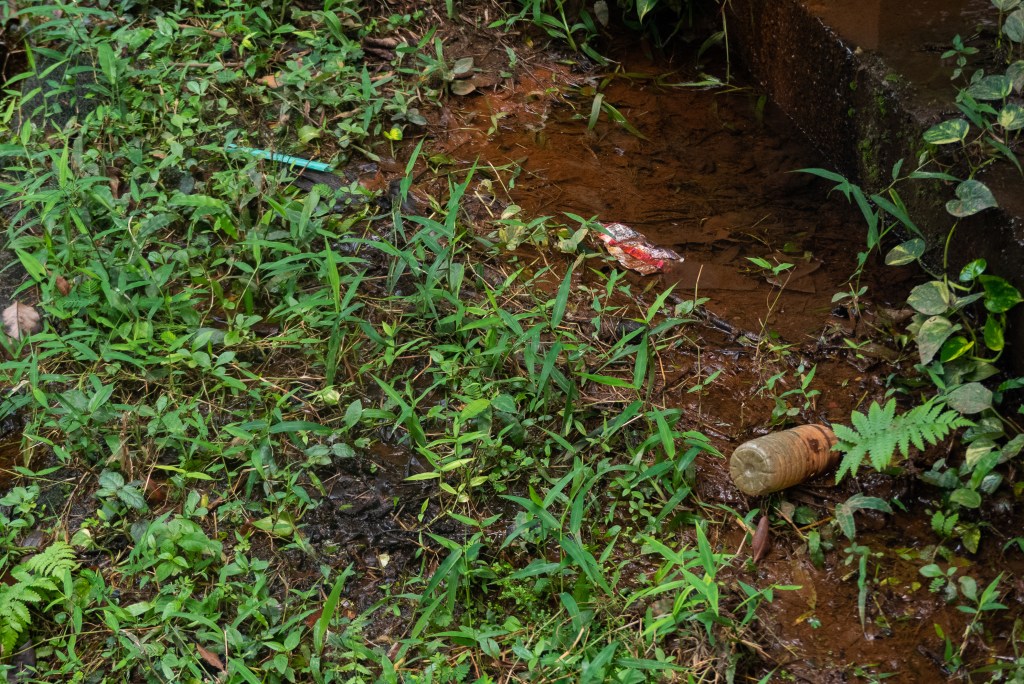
(274, 434)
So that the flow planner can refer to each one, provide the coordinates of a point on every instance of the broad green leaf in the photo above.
(1011, 117)
(1000, 296)
(643, 7)
(972, 196)
(971, 537)
(845, 518)
(1012, 448)
(1013, 26)
(1015, 72)
(353, 413)
(994, 338)
(905, 253)
(931, 298)
(952, 131)
(278, 526)
(995, 87)
(111, 480)
(504, 403)
(967, 498)
(133, 497)
(308, 133)
(955, 347)
(979, 449)
(1005, 5)
(932, 334)
(972, 270)
(108, 62)
(462, 67)
(970, 398)
(474, 408)
(860, 501)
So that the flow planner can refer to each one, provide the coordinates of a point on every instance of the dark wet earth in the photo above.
(712, 179)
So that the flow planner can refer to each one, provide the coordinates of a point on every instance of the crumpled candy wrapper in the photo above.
(634, 251)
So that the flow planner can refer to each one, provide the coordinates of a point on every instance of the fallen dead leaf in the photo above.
(63, 286)
(462, 87)
(211, 658)
(269, 80)
(21, 320)
(761, 543)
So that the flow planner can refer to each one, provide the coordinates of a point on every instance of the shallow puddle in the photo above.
(713, 180)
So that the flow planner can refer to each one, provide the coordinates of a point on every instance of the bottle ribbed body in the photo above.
(783, 459)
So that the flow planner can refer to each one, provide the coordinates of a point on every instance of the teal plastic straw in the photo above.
(281, 158)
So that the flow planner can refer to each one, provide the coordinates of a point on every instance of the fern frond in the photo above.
(55, 561)
(881, 434)
(34, 582)
(14, 615)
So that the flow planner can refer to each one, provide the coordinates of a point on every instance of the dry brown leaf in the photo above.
(462, 88)
(270, 81)
(211, 658)
(63, 286)
(761, 543)
(21, 320)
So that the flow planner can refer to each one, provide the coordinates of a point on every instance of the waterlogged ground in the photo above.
(704, 170)
(708, 172)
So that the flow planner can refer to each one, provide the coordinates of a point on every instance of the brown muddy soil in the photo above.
(710, 177)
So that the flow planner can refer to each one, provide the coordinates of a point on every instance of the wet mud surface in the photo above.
(711, 179)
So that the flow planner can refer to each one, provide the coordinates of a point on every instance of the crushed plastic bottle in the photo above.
(633, 250)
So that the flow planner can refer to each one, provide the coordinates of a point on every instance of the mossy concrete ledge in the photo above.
(864, 115)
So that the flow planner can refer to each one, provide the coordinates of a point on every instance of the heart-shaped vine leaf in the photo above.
(995, 87)
(970, 398)
(1000, 296)
(1011, 117)
(905, 253)
(931, 298)
(952, 131)
(972, 196)
(932, 334)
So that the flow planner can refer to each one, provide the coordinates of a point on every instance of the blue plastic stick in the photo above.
(281, 158)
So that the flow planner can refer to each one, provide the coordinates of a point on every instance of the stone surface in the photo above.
(838, 71)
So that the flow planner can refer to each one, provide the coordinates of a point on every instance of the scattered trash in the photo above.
(633, 250)
(280, 158)
(783, 459)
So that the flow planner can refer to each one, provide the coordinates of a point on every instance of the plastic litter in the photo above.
(634, 251)
(783, 459)
(280, 158)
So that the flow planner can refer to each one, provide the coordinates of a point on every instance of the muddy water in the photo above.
(710, 178)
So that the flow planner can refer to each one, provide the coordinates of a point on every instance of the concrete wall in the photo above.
(864, 116)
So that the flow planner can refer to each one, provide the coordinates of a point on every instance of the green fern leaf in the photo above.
(881, 434)
(34, 582)
(55, 561)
